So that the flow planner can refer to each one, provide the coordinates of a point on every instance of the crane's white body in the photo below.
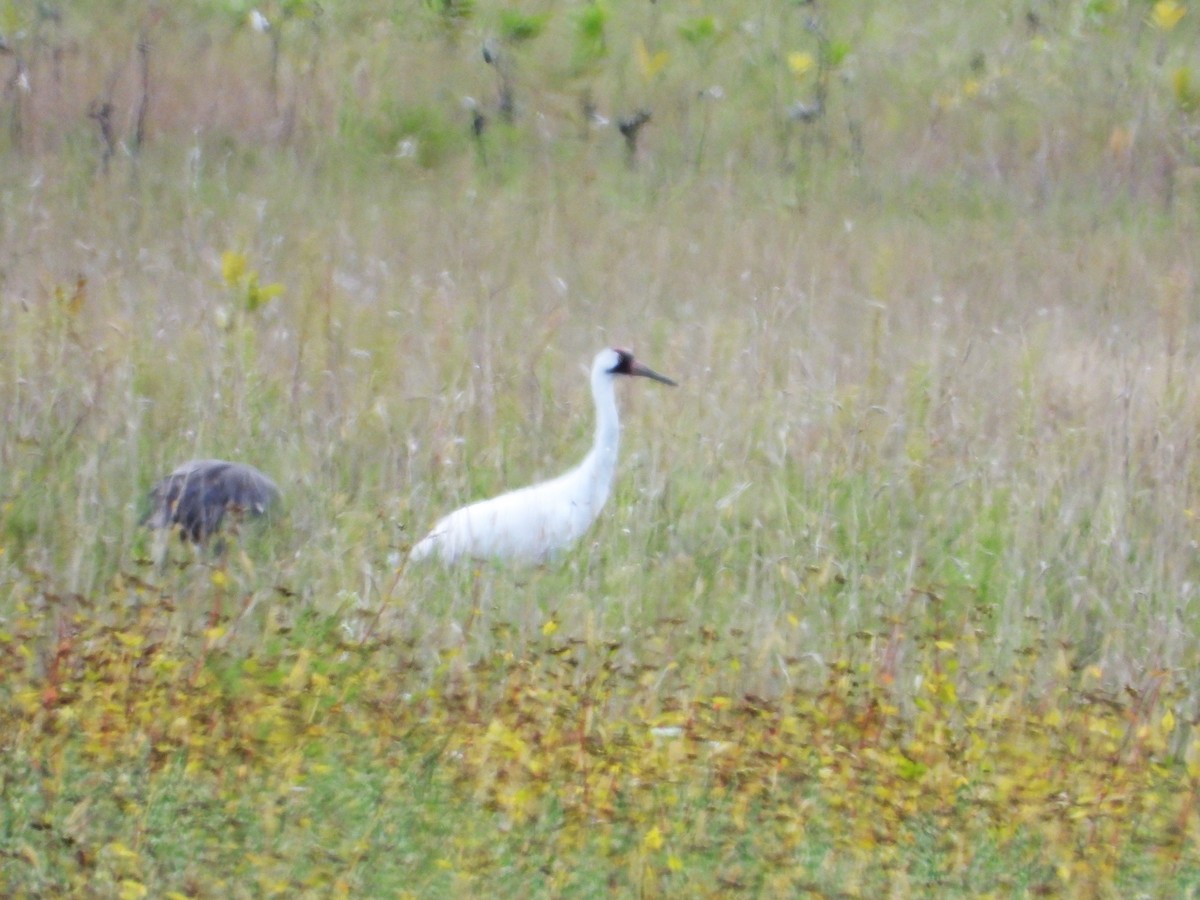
(534, 523)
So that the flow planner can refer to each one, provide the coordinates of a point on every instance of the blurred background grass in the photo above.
(926, 273)
(934, 337)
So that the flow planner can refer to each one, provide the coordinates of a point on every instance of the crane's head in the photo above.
(618, 361)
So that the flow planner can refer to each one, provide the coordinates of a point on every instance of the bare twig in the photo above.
(101, 112)
(143, 49)
(16, 86)
(631, 127)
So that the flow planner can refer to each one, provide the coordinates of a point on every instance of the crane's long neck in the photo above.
(601, 462)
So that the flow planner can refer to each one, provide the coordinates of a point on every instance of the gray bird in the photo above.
(197, 495)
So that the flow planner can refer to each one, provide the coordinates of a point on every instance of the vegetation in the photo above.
(897, 593)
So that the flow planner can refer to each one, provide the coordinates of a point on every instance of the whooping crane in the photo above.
(533, 523)
(197, 495)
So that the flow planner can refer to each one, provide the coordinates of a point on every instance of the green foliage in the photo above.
(20, 521)
(1184, 90)
(517, 27)
(836, 53)
(300, 9)
(591, 33)
(699, 32)
(453, 13)
(242, 281)
(153, 766)
(420, 132)
(14, 17)
(432, 137)
(894, 596)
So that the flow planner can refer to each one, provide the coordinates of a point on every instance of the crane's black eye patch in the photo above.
(624, 362)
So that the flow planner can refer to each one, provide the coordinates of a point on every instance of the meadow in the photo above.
(896, 594)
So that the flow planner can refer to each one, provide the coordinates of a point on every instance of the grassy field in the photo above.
(897, 593)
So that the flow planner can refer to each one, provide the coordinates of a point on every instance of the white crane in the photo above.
(533, 523)
(197, 495)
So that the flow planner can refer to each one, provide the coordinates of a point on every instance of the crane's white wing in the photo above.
(528, 525)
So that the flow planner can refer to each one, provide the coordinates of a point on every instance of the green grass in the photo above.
(313, 764)
(895, 592)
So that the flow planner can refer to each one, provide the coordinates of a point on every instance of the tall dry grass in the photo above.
(935, 349)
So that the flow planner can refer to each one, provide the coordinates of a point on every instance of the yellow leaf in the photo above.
(549, 627)
(132, 890)
(944, 645)
(1062, 665)
(1166, 14)
(674, 863)
(119, 850)
(233, 266)
(1188, 98)
(800, 63)
(649, 64)
(1168, 721)
(1120, 143)
(257, 295)
(653, 839)
(73, 302)
(298, 677)
(219, 578)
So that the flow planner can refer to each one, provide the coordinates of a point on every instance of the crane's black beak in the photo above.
(636, 368)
